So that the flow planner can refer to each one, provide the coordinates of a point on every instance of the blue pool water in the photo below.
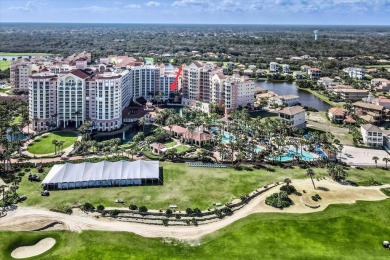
(290, 155)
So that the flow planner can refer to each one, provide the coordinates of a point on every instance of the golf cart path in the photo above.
(24, 219)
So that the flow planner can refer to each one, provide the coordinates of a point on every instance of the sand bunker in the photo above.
(39, 248)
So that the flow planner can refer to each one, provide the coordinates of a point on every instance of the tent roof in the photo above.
(122, 170)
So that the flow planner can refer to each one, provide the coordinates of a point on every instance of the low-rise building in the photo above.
(374, 114)
(356, 73)
(314, 73)
(285, 100)
(294, 115)
(298, 75)
(351, 94)
(382, 101)
(372, 135)
(273, 67)
(286, 68)
(325, 81)
(337, 115)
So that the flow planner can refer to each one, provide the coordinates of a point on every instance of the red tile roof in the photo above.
(80, 73)
(337, 111)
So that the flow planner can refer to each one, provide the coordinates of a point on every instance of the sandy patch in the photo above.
(29, 251)
(24, 219)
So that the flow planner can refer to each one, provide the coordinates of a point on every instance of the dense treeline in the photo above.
(246, 44)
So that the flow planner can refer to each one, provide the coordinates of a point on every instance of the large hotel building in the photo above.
(66, 92)
(205, 83)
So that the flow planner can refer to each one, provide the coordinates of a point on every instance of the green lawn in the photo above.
(322, 97)
(378, 66)
(182, 148)
(353, 231)
(43, 145)
(4, 64)
(184, 186)
(16, 120)
(170, 144)
(4, 90)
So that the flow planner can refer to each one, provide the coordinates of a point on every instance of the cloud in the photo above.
(94, 9)
(153, 4)
(28, 7)
(132, 6)
(193, 3)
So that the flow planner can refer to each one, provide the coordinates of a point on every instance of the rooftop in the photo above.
(371, 128)
(292, 110)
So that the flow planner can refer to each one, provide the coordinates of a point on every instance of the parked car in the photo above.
(45, 193)
(22, 198)
(119, 201)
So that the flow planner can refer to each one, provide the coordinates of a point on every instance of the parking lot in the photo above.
(356, 155)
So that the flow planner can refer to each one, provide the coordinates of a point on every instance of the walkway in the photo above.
(24, 219)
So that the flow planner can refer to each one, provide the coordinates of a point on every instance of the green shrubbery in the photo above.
(386, 191)
(289, 189)
(279, 200)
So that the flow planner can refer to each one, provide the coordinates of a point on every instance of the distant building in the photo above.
(356, 73)
(382, 101)
(298, 75)
(286, 68)
(314, 73)
(325, 81)
(351, 94)
(286, 100)
(372, 135)
(294, 116)
(273, 67)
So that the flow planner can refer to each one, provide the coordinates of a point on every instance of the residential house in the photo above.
(314, 73)
(337, 115)
(273, 67)
(356, 73)
(382, 101)
(372, 135)
(286, 100)
(298, 75)
(374, 114)
(294, 115)
(286, 68)
(325, 81)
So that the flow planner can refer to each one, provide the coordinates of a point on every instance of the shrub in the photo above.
(279, 200)
(188, 222)
(165, 222)
(168, 212)
(218, 213)
(87, 207)
(288, 188)
(143, 209)
(197, 211)
(386, 191)
(100, 208)
(133, 207)
(114, 213)
(189, 211)
(177, 216)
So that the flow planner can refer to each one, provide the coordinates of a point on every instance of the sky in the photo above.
(318, 12)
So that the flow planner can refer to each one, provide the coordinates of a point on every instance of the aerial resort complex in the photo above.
(147, 131)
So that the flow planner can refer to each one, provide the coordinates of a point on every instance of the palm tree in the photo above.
(375, 159)
(55, 143)
(310, 173)
(77, 113)
(386, 160)
(142, 122)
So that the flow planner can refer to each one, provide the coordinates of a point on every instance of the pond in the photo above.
(287, 88)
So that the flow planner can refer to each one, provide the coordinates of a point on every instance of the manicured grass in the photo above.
(44, 145)
(4, 90)
(322, 97)
(170, 144)
(182, 148)
(184, 186)
(353, 231)
(4, 64)
(151, 59)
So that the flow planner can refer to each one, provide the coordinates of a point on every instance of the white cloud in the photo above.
(153, 4)
(132, 6)
(28, 7)
(193, 3)
(95, 9)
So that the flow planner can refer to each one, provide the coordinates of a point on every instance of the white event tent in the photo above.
(102, 174)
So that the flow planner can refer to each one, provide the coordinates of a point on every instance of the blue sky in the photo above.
(344, 12)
